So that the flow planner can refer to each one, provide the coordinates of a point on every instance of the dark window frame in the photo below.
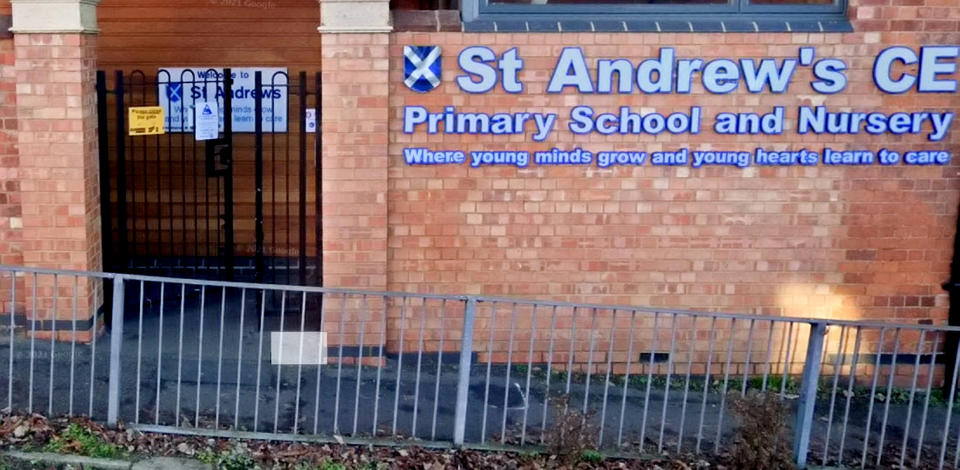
(473, 10)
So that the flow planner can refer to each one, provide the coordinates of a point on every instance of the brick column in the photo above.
(11, 238)
(354, 128)
(55, 66)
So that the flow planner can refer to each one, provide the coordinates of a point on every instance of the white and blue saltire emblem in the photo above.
(422, 66)
(174, 91)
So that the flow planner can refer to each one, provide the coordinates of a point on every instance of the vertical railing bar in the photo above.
(463, 373)
(913, 391)
(747, 358)
(873, 394)
(383, 340)
(706, 382)
(837, 363)
(808, 393)
(33, 335)
(318, 179)
(416, 386)
(606, 380)
(156, 410)
(436, 391)
(203, 308)
(572, 352)
(396, 395)
(787, 361)
(526, 391)
(646, 397)
(546, 393)
(506, 379)
(336, 402)
(136, 418)
(886, 403)
(783, 349)
(256, 391)
(53, 338)
(223, 310)
(666, 388)
(73, 339)
(486, 392)
(768, 368)
(116, 342)
(726, 383)
(626, 379)
(356, 394)
(236, 401)
(13, 327)
(276, 396)
(316, 400)
(93, 350)
(296, 401)
(950, 398)
(183, 301)
(586, 390)
(686, 383)
(259, 265)
(926, 400)
(121, 142)
(849, 394)
(302, 176)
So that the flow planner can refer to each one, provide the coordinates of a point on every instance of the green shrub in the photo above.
(76, 439)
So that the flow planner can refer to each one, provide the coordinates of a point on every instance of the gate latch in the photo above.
(219, 157)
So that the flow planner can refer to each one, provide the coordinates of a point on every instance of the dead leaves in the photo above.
(21, 431)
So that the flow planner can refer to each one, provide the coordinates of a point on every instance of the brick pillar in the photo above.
(355, 113)
(11, 238)
(55, 66)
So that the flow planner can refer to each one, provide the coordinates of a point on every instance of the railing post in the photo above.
(116, 340)
(808, 393)
(463, 381)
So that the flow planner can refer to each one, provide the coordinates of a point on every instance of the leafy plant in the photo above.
(76, 439)
(760, 441)
(235, 459)
(331, 465)
(591, 456)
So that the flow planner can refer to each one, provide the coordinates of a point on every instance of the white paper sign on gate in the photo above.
(311, 120)
(180, 89)
(207, 121)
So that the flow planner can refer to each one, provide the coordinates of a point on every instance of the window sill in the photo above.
(664, 24)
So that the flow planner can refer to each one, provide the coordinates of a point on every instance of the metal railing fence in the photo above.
(208, 358)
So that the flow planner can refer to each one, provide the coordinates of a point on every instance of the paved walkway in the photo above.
(30, 459)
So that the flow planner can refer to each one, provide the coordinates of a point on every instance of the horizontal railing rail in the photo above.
(316, 363)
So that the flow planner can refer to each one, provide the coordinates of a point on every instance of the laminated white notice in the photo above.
(206, 121)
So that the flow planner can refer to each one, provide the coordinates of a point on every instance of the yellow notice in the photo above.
(146, 120)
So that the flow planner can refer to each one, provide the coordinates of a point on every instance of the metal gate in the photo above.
(244, 206)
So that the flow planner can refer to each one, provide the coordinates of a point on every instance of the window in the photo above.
(660, 15)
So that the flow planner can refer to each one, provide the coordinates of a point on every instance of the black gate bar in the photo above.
(106, 234)
(258, 177)
(318, 178)
(302, 202)
(228, 174)
(123, 250)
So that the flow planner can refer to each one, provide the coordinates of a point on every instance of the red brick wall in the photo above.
(853, 243)
(354, 126)
(11, 239)
(59, 186)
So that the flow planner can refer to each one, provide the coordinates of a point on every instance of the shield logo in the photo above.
(422, 66)
(174, 91)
